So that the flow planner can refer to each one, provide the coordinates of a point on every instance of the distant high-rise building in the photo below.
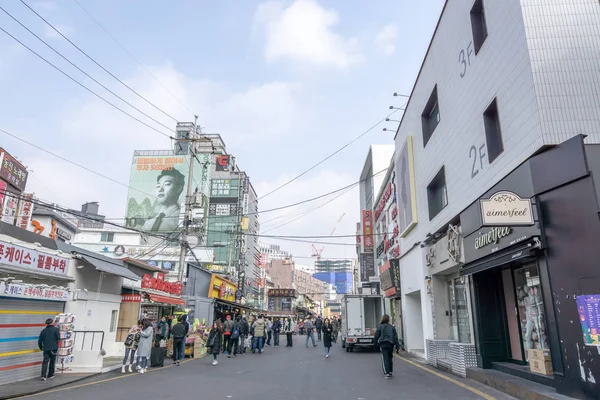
(333, 266)
(273, 252)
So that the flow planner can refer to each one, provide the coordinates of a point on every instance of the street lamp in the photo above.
(401, 95)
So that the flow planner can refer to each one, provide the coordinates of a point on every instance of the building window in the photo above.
(431, 116)
(107, 237)
(478, 25)
(113, 320)
(493, 134)
(437, 195)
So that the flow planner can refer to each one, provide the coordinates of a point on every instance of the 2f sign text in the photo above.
(476, 155)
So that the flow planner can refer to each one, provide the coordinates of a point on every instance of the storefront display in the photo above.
(531, 309)
(65, 324)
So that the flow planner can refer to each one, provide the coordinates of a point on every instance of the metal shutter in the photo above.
(20, 324)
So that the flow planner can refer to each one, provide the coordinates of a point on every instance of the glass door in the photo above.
(452, 314)
(512, 316)
(530, 308)
(462, 310)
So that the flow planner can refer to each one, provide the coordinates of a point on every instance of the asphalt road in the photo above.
(298, 373)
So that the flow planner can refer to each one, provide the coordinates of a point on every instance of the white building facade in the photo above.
(501, 82)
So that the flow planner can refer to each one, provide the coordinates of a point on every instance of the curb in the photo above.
(21, 395)
(62, 385)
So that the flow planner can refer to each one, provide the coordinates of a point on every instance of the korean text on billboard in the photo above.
(12, 171)
(33, 260)
(224, 188)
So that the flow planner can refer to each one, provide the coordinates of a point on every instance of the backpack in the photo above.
(236, 332)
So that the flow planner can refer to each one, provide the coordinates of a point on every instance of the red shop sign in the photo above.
(131, 298)
(384, 199)
(149, 282)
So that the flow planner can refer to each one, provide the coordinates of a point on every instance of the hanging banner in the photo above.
(367, 227)
(25, 210)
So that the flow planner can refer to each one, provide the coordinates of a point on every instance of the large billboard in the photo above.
(157, 190)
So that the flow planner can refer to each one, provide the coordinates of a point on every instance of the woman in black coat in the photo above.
(215, 341)
(327, 330)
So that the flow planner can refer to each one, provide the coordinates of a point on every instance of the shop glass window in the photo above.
(107, 237)
(113, 320)
(531, 309)
(459, 310)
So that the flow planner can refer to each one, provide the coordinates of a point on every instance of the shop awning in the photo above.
(166, 299)
(519, 252)
(109, 267)
(232, 304)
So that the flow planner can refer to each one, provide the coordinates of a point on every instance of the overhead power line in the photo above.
(83, 72)
(85, 87)
(97, 63)
(326, 158)
(21, 139)
(133, 57)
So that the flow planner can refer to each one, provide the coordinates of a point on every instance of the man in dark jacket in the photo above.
(245, 331)
(276, 329)
(48, 343)
(318, 325)
(179, 333)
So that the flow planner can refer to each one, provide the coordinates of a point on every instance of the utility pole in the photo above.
(188, 206)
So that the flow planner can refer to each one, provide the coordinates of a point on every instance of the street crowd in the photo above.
(146, 343)
(227, 335)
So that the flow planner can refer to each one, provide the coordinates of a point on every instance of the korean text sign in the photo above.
(367, 226)
(12, 171)
(29, 259)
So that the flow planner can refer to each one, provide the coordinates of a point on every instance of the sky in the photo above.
(285, 83)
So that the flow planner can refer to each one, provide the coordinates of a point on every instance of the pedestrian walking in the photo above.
(335, 323)
(214, 342)
(259, 330)
(245, 332)
(310, 332)
(179, 337)
(276, 330)
(319, 325)
(162, 331)
(131, 345)
(269, 331)
(227, 329)
(48, 344)
(327, 330)
(386, 338)
(234, 339)
(144, 346)
(288, 329)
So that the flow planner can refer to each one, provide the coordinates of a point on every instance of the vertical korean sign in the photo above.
(25, 209)
(367, 227)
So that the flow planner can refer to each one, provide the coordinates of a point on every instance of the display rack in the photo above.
(65, 324)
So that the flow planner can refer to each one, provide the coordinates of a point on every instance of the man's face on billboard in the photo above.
(165, 191)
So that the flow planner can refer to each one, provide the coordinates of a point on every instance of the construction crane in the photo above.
(317, 252)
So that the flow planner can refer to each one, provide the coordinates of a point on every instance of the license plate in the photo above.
(364, 341)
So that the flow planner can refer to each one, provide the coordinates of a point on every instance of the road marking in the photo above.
(458, 383)
(129, 375)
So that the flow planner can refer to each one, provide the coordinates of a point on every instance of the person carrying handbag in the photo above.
(215, 341)
(131, 345)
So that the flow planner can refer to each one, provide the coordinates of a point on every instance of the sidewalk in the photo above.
(32, 386)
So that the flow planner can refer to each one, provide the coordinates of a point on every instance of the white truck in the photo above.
(361, 315)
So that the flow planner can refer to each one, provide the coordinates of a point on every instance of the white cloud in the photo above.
(304, 32)
(386, 39)
(48, 5)
(52, 34)
(101, 138)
